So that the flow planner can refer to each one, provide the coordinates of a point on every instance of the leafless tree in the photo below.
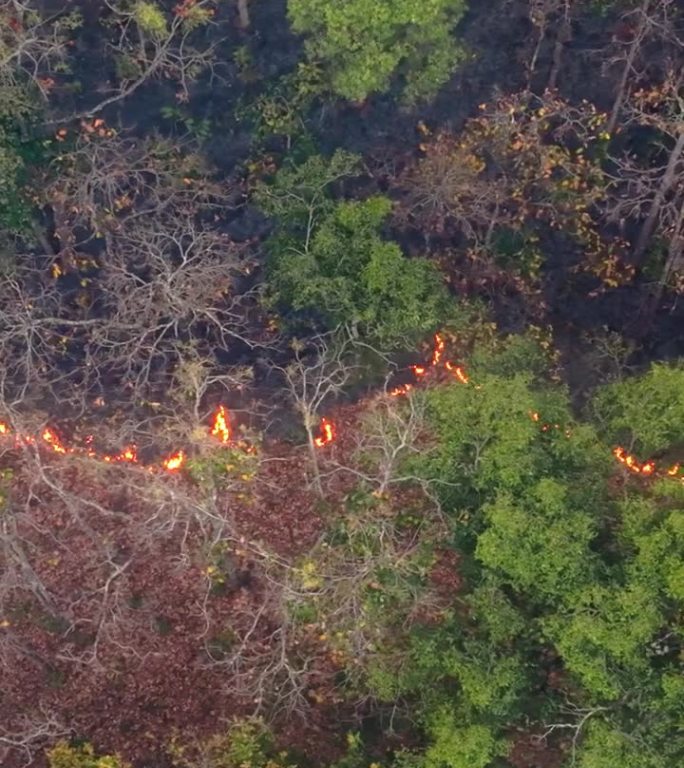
(551, 16)
(33, 43)
(143, 39)
(651, 194)
(645, 34)
(154, 275)
(317, 375)
(29, 733)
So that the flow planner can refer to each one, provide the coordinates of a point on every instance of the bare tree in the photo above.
(645, 34)
(29, 733)
(144, 41)
(651, 194)
(320, 369)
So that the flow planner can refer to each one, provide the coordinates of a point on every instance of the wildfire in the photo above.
(53, 441)
(175, 462)
(220, 427)
(647, 468)
(457, 372)
(129, 455)
(399, 391)
(327, 434)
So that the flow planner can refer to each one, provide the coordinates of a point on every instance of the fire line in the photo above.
(220, 429)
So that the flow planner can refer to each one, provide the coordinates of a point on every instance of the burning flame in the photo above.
(438, 351)
(220, 427)
(327, 434)
(175, 462)
(646, 469)
(53, 441)
(457, 372)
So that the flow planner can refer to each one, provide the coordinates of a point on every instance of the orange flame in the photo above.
(438, 351)
(220, 427)
(175, 462)
(399, 391)
(327, 434)
(129, 454)
(457, 372)
(53, 440)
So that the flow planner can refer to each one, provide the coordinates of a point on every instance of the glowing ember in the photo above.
(327, 434)
(674, 470)
(419, 370)
(175, 462)
(220, 427)
(129, 455)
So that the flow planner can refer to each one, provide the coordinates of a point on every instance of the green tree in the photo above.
(63, 755)
(330, 265)
(646, 412)
(362, 44)
(18, 150)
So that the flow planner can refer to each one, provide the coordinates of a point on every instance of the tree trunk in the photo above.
(668, 180)
(563, 37)
(313, 453)
(243, 14)
(627, 70)
(675, 253)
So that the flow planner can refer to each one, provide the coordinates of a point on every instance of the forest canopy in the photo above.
(342, 396)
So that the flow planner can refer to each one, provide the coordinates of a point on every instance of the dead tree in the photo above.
(644, 33)
(317, 375)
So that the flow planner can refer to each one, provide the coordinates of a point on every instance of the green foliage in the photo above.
(540, 543)
(362, 44)
(150, 18)
(330, 266)
(281, 109)
(604, 747)
(248, 743)
(222, 467)
(645, 411)
(63, 755)
(458, 746)
(18, 150)
(549, 558)
(605, 633)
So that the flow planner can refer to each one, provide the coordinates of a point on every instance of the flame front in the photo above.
(327, 434)
(51, 438)
(175, 462)
(220, 427)
(128, 455)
